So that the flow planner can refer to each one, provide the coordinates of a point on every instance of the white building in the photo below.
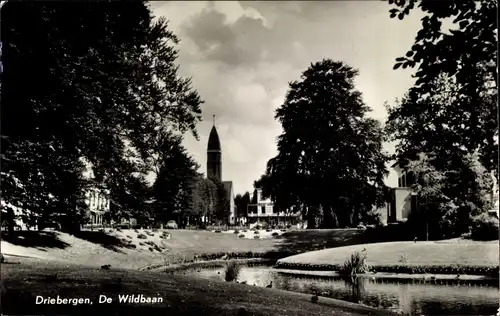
(402, 201)
(264, 211)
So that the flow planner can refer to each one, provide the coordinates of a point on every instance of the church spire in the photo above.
(214, 119)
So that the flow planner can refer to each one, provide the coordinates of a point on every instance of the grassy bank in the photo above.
(125, 249)
(21, 283)
(441, 257)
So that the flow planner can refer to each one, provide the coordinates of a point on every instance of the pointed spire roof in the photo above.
(213, 139)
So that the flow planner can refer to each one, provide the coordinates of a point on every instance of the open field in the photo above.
(21, 283)
(117, 247)
(425, 253)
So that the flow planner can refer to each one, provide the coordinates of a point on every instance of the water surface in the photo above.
(403, 296)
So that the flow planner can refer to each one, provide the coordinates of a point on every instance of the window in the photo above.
(404, 180)
(410, 179)
(399, 182)
(263, 210)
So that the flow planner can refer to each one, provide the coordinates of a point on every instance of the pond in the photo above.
(414, 297)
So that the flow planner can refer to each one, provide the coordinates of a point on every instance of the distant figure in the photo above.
(106, 267)
(270, 285)
(415, 239)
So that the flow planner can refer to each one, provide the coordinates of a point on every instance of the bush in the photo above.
(231, 271)
(288, 226)
(129, 237)
(269, 230)
(484, 227)
(241, 236)
(356, 264)
(142, 236)
(256, 237)
(256, 232)
(236, 231)
(217, 231)
(274, 234)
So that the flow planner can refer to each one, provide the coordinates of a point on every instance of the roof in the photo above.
(228, 186)
(213, 140)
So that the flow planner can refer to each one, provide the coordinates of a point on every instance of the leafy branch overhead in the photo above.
(457, 44)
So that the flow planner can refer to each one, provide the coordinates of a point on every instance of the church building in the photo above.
(214, 169)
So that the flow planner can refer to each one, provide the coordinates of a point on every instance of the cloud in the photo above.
(242, 55)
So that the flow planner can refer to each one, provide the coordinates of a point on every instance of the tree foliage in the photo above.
(471, 113)
(175, 180)
(222, 208)
(205, 199)
(449, 198)
(242, 202)
(95, 80)
(330, 158)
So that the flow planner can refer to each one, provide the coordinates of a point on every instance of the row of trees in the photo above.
(330, 161)
(95, 85)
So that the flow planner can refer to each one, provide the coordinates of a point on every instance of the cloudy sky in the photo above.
(241, 56)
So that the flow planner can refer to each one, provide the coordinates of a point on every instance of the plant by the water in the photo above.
(232, 271)
(356, 264)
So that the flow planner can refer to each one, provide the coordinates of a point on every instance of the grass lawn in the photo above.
(443, 253)
(22, 283)
(113, 247)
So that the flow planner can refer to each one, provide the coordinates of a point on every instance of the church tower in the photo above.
(214, 155)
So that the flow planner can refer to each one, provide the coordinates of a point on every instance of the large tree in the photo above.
(464, 56)
(176, 177)
(94, 80)
(222, 208)
(330, 158)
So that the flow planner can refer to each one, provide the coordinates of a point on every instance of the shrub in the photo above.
(269, 230)
(288, 226)
(217, 231)
(141, 244)
(236, 231)
(274, 234)
(356, 264)
(256, 237)
(231, 271)
(256, 232)
(129, 237)
(484, 227)
(142, 236)
(242, 235)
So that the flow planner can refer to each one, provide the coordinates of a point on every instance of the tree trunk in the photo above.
(10, 221)
(328, 220)
(311, 217)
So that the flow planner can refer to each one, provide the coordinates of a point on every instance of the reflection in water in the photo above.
(408, 298)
